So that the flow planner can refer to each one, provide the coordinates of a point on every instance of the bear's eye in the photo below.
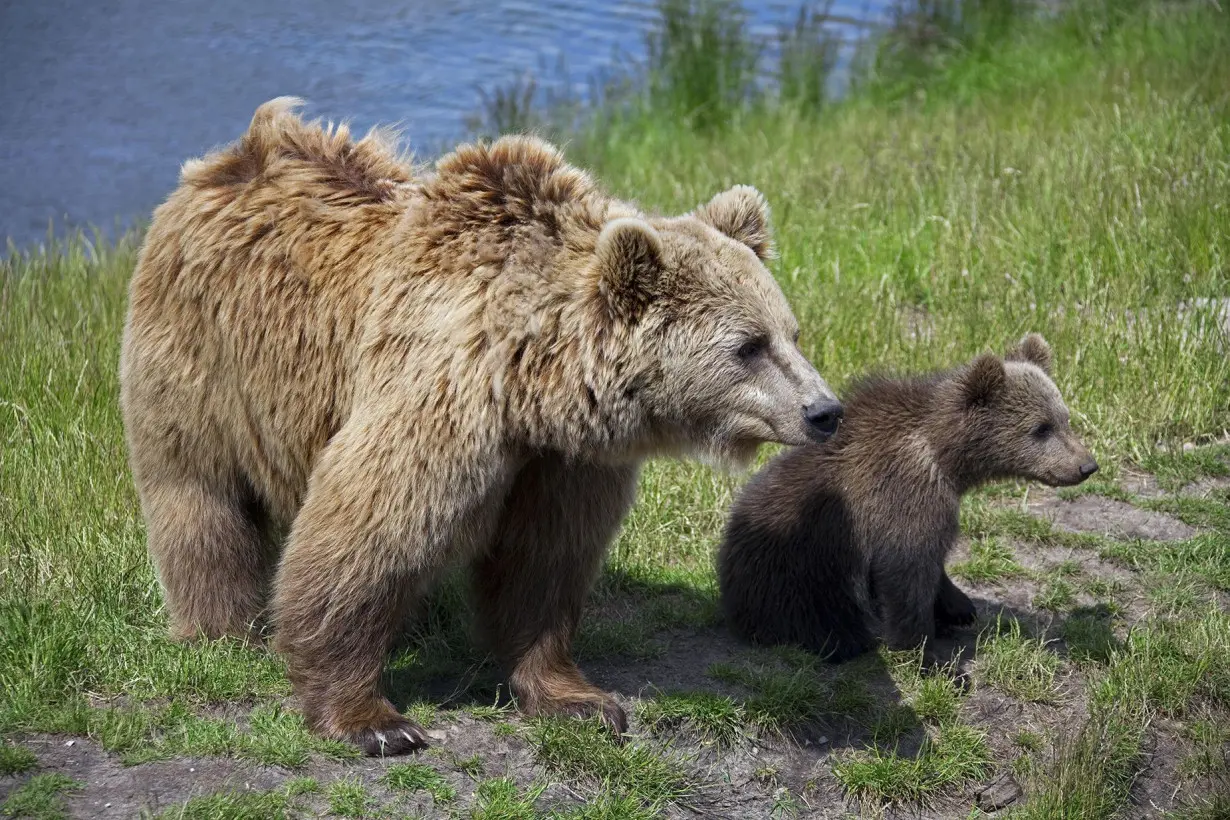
(796, 337)
(753, 348)
(1043, 430)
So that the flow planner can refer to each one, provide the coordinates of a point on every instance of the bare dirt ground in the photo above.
(759, 775)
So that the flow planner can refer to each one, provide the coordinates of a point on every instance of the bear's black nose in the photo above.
(1089, 468)
(823, 417)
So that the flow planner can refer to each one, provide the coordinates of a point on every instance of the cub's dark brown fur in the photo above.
(829, 536)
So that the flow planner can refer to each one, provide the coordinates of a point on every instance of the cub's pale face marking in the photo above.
(1024, 420)
(1043, 445)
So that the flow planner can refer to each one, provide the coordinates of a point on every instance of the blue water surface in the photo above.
(102, 100)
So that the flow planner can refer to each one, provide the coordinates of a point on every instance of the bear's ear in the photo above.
(984, 379)
(629, 258)
(742, 214)
(1033, 349)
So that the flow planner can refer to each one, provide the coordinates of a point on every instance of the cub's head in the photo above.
(1016, 424)
(723, 368)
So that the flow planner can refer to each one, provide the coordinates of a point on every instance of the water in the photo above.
(101, 101)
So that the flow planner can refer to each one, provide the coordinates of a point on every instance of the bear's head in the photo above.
(1015, 424)
(724, 371)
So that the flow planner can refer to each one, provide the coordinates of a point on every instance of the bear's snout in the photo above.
(1088, 468)
(823, 418)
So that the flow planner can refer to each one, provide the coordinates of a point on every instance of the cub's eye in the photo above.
(1043, 430)
(753, 348)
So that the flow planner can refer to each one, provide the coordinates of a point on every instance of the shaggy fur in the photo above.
(352, 375)
(828, 533)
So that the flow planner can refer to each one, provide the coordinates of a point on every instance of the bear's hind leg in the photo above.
(211, 553)
(558, 522)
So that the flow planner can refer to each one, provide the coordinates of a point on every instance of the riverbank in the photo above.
(1069, 176)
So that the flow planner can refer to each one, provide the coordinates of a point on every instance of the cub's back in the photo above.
(789, 569)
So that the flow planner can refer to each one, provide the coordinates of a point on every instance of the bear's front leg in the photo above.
(383, 514)
(531, 586)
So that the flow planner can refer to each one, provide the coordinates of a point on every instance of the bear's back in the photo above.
(247, 303)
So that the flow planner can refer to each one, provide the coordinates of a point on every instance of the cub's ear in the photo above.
(742, 214)
(629, 259)
(1033, 349)
(984, 379)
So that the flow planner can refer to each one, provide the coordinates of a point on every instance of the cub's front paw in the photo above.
(955, 609)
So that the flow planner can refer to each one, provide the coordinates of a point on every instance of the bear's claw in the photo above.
(608, 711)
(402, 738)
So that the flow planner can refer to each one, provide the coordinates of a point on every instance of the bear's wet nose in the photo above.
(1089, 468)
(823, 417)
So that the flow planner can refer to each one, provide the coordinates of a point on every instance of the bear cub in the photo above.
(830, 538)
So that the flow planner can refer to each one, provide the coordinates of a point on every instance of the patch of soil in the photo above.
(1141, 484)
(1106, 516)
(113, 790)
(1146, 486)
(1205, 487)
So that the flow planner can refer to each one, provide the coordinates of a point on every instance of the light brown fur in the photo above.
(398, 371)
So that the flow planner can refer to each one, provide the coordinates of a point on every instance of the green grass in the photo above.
(414, 777)
(348, 798)
(783, 697)
(1067, 177)
(1088, 775)
(277, 804)
(273, 805)
(714, 718)
(1021, 667)
(1057, 595)
(16, 759)
(937, 699)
(40, 797)
(954, 755)
(1089, 635)
(991, 559)
(583, 750)
(500, 799)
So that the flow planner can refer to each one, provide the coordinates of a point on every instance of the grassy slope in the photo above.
(1077, 191)
(1082, 192)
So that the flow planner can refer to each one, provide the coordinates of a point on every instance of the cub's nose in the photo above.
(822, 418)
(1089, 468)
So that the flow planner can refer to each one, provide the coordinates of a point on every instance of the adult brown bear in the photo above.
(403, 371)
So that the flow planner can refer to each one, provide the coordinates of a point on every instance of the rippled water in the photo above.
(101, 100)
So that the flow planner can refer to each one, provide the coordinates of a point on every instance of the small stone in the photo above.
(438, 735)
(1002, 791)
(70, 742)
